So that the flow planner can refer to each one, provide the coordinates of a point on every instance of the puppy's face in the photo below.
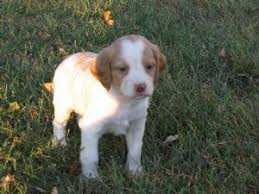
(130, 65)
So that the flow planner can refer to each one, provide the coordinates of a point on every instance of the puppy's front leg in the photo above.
(89, 151)
(134, 138)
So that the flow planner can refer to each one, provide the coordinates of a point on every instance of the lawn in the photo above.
(208, 95)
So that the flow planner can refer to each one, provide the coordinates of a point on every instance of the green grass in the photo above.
(211, 102)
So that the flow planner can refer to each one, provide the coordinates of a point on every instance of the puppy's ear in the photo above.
(160, 61)
(101, 69)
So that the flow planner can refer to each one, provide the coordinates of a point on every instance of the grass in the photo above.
(210, 101)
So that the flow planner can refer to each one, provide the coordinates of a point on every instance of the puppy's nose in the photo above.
(140, 88)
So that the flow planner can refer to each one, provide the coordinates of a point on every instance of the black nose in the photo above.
(140, 88)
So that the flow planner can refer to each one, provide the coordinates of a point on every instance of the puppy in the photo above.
(110, 91)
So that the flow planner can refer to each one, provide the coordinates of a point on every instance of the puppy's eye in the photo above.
(123, 69)
(149, 67)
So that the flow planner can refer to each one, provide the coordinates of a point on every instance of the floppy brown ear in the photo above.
(160, 61)
(102, 68)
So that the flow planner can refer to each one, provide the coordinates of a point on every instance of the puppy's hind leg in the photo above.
(61, 116)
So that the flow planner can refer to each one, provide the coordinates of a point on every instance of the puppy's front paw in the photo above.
(135, 170)
(90, 173)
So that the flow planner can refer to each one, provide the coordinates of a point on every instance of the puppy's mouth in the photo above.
(140, 96)
(137, 96)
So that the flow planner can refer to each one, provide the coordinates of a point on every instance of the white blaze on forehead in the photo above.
(132, 51)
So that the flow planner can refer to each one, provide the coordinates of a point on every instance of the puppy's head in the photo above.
(131, 65)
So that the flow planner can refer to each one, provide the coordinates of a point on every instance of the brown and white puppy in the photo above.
(110, 92)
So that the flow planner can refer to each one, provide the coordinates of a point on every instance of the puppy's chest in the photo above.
(120, 122)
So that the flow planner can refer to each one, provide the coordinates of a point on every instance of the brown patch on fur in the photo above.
(149, 60)
(152, 56)
(117, 74)
(159, 58)
(160, 61)
(85, 60)
(108, 64)
(102, 68)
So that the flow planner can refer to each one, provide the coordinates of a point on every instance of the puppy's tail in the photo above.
(49, 87)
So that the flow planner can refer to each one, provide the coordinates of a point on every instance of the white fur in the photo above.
(101, 111)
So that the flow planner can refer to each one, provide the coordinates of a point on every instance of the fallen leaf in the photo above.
(108, 18)
(3, 186)
(7, 181)
(49, 87)
(63, 53)
(222, 53)
(110, 23)
(54, 190)
(170, 139)
(43, 35)
(106, 15)
(13, 106)
(10, 178)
